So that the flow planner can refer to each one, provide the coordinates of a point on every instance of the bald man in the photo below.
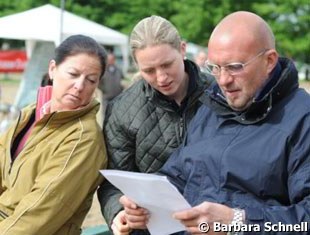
(245, 164)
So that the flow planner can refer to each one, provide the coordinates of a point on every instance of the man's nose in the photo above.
(224, 77)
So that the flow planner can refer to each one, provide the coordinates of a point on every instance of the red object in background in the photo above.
(12, 61)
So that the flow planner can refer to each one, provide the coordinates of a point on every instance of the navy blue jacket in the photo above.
(257, 160)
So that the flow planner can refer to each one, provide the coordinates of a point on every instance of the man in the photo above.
(110, 85)
(246, 157)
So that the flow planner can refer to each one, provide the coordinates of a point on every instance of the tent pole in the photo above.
(62, 7)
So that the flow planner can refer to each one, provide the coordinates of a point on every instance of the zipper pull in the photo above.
(181, 129)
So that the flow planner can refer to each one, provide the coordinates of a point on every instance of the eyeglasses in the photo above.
(231, 68)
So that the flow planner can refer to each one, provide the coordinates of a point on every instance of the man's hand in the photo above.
(136, 217)
(205, 212)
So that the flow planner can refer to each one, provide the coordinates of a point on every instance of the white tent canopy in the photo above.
(44, 24)
(40, 28)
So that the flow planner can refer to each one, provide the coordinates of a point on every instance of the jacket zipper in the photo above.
(181, 131)
(9, 149)
(27, 143)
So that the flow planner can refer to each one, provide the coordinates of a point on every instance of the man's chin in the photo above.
(238, 107)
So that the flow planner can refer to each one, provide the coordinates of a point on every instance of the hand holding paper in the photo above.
(156, 194)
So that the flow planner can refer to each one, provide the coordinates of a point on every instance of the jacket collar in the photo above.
(197, 84)
(57, 118)
(65, 116)
(283, 80)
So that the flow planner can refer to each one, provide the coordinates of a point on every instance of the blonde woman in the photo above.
(147, 122)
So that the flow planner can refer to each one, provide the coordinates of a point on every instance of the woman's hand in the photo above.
(119, 225)
(136, 217)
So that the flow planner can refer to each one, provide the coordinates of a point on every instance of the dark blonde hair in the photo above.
(154, 30)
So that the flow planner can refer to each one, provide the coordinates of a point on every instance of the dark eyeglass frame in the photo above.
(231, 68)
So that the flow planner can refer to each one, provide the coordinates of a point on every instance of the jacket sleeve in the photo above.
(173, 170)
(4, 138)
(298, 186)
(61, 186)
(121, 156)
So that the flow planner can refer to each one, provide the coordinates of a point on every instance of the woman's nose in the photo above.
(161, 75)
(79, 84)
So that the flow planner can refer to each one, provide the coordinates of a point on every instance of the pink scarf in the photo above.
(44, 96)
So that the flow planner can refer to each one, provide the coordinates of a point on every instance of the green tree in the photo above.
(290, 22)
(195, 19)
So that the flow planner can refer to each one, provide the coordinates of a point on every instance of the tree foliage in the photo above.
(195, 19)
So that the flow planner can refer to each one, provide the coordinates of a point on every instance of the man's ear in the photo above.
(272, 59)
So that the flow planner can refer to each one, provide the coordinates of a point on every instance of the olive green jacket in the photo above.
(48, 188)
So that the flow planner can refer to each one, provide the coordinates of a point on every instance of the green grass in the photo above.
(304, 82)
(10, 78)
(9, 81)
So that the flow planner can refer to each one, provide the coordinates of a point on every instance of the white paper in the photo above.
(156, 194)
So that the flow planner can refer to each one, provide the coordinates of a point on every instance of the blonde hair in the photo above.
(151, 31)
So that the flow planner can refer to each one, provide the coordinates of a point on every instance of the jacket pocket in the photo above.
(3, 215)
(15, 169)
(74, 230)
(192, 190)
